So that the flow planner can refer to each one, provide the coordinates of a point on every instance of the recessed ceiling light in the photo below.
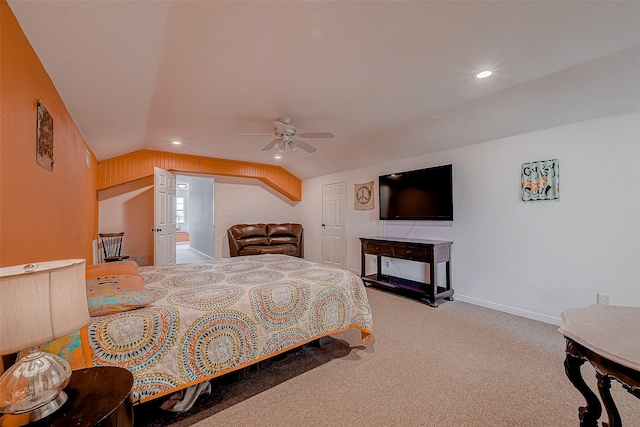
(484, 74)
(176, 142)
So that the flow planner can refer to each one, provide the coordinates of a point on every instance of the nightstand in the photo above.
(98, 397)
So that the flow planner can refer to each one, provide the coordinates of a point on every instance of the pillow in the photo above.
(108, 298)
(112, 269)
(73, 348)
(124, 281)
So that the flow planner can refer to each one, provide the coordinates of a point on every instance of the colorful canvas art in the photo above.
(540, 180)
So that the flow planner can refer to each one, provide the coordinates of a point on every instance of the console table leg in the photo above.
(588, 414)
(604, 387)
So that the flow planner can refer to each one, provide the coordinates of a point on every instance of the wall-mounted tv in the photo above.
(424, 194)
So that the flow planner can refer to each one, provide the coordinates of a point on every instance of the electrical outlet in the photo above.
(604, 299)
(387, 264)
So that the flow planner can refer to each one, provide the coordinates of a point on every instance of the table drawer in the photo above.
(378, 248)
(411, 252)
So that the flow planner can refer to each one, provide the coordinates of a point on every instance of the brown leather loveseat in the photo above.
(256, 239)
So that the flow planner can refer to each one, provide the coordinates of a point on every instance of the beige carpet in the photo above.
(455, 365)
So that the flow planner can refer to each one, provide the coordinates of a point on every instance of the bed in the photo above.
(198, 321)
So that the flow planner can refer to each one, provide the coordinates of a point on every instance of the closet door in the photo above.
(333, 223)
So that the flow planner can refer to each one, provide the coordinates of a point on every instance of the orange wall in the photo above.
(43, 215)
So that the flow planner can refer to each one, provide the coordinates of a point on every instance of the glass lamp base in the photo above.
(34, 385)
(48, 408)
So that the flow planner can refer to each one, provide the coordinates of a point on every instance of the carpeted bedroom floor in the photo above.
(455, 365)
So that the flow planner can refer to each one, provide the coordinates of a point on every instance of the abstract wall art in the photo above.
(44, 138)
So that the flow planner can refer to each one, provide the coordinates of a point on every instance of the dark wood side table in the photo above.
(608, 337)
(98, 397)
(431, 252)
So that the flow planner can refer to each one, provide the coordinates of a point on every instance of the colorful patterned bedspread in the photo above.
(214, 317)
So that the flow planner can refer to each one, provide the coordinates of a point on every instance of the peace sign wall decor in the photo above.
(363, 196)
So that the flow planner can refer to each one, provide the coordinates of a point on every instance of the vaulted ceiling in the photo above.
(390, 79)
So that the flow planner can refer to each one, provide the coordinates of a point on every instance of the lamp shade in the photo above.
(41, 302)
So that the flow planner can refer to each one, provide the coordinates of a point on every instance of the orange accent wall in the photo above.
(139, 164)
(43, 215)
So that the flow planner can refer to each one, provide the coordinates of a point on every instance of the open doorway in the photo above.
(194, 219)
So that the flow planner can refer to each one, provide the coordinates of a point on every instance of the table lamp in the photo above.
(39, 303)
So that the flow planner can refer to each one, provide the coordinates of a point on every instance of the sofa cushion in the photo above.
(243, 231)
(274, 230)
(253, 241)
(269, 249)
(252, 250)
(284, 234)
(249, 235)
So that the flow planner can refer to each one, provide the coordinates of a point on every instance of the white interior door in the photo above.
(164, 198)
(333, 219)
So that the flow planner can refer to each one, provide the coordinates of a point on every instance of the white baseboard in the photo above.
(511, 310)
(504, 308)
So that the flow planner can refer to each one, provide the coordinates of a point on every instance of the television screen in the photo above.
(425, 194)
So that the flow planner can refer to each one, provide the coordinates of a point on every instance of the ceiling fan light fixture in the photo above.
(287, 137)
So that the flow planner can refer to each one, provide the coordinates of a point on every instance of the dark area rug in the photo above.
(237, 386)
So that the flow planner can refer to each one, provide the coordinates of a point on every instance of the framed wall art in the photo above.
(364, 196)
(540, 180)
(44, 138)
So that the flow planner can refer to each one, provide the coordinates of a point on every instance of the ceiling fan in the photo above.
(287, 136)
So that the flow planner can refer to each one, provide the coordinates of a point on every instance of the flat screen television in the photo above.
(424, 194)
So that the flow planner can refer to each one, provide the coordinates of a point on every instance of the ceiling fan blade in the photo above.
(254, 134)
(270, 145)
(306, 147)
(316, 135)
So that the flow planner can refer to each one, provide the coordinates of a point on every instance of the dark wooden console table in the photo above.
(419, 250)
(608, 337)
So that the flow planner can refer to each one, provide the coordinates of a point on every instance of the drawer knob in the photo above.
(377, 248)
(409, 251)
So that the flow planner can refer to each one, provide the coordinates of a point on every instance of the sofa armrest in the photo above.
(233, 244)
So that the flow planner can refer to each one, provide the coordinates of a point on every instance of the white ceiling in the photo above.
(390, 79)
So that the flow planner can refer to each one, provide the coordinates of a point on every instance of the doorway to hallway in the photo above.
(185, 254)
(194, 218)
